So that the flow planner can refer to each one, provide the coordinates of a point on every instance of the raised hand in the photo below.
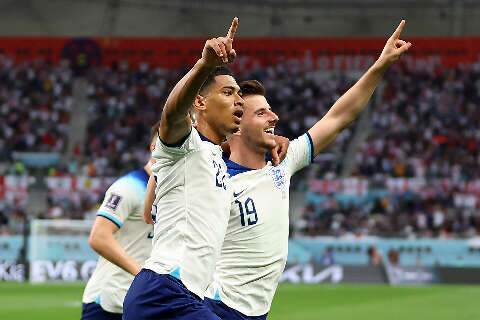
(394, 47)
(219, 51)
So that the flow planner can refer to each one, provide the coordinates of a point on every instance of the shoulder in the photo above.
(130, 185)
(190, 142)
(299, 153)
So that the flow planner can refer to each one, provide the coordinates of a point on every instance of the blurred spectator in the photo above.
(35, 103)
(126, 102)
(124, 105)
(16, 221)
(393, 257)
(424, 131)
(374, 257)
(425, 125)
(327, 258)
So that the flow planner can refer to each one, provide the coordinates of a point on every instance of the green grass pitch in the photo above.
(300, 302)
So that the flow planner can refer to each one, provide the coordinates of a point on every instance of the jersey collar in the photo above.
(234, 168)
(205, 138)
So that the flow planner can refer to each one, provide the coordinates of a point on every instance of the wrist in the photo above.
(380, 65)
(204, 65)
(136, 270)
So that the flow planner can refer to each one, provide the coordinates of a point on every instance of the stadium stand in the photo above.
(410, 180)
(124, 104)
(36, 100)
(425, 184)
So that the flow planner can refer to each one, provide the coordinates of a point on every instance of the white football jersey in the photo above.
(255, 249)
(123, 205)
(192, 201)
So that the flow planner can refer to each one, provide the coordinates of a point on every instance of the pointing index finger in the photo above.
(398, 31)
(233, 29)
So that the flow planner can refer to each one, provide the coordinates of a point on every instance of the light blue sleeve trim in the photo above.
(309, 147)
(110, 217)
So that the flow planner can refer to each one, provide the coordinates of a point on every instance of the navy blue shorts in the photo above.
(161, 296)
(227, 313)
(93, 311)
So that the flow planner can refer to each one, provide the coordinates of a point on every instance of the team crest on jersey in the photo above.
(278, 176)
(113, 201)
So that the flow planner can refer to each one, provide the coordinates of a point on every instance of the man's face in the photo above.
(223, 105)
(258, 123)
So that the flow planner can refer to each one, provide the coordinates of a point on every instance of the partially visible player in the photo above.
(192, 195)
(122, 240)
(254, 251)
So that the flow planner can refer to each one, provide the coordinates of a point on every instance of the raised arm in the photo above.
(348, 107)
(175, 123)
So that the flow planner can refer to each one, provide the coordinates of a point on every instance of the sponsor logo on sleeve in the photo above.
(113, 201)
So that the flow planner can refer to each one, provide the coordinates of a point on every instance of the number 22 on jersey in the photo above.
(219, 177)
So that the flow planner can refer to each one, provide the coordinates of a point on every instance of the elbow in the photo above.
(94, 241)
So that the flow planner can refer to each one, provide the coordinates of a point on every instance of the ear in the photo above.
(199, 103)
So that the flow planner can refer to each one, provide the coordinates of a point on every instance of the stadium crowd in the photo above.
(422, 126)
(425, 126)
(445, 215)
(125, 103)
(35, 104)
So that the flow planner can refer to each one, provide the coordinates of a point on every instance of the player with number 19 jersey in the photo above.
(255, 248)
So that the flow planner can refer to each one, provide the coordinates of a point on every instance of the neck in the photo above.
(205, 129)
(241, 153)
(148, 167)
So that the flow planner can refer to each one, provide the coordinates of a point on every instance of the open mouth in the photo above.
(238, 115)
(269, 131)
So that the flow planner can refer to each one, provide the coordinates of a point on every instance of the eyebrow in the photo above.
(263, 109)
(232, 88)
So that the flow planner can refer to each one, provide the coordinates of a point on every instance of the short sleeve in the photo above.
(299, 154)
(190, 143)
(118, 204)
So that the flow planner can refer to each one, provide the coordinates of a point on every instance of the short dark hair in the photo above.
(154, 131)
(218, 71)
(252, 87)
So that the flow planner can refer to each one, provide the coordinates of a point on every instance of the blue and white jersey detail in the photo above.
(255, 248)
(113, 218)
(123, 206)
(123, 196)
(234, 168)
(310, 150)
(192, 201)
